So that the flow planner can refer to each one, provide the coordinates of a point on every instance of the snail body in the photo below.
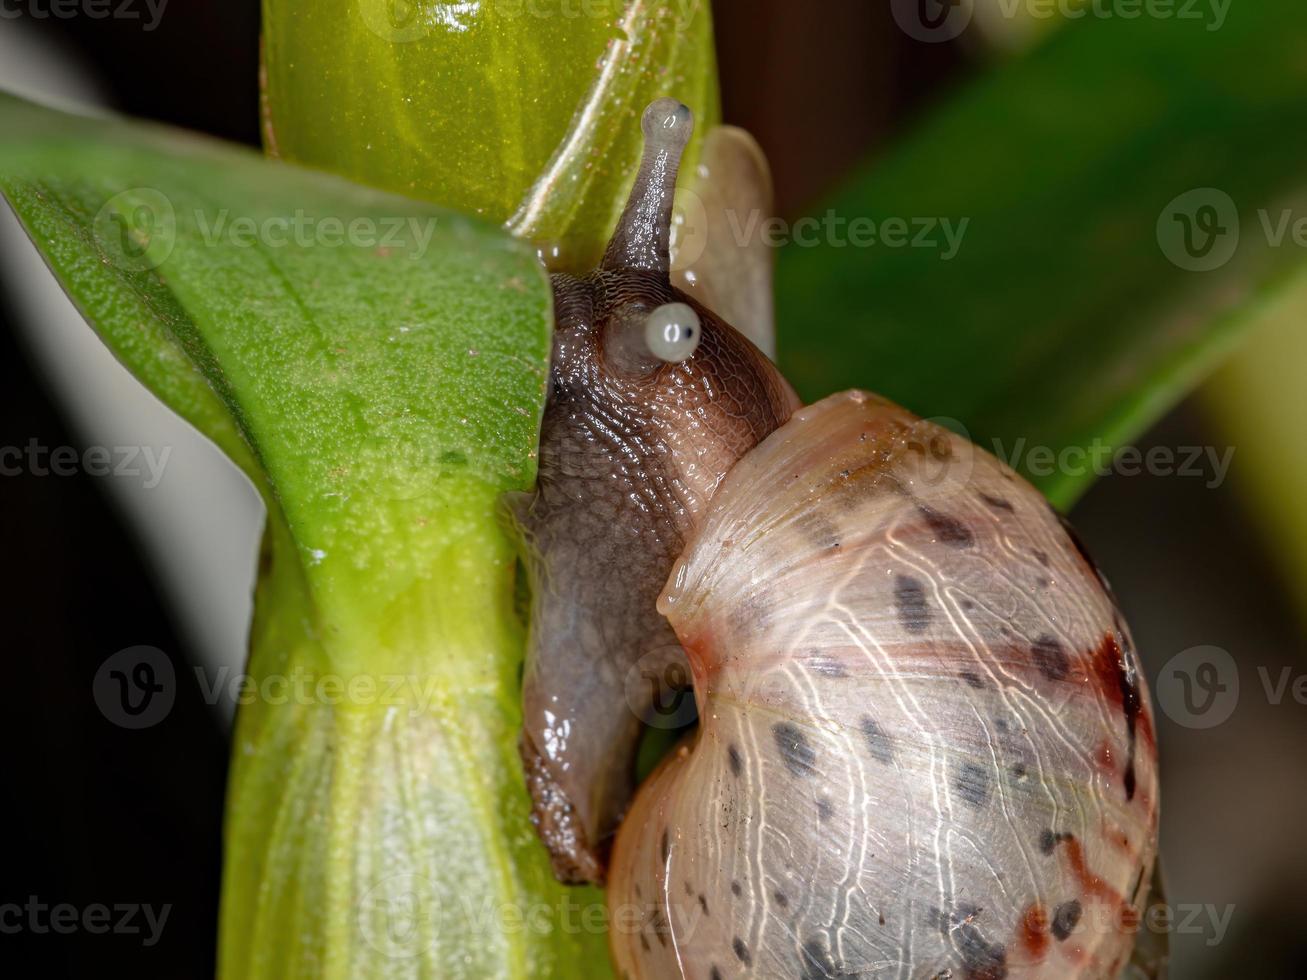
(632, 446)
(925, 748)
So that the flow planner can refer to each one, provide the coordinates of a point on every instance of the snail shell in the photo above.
(925, 747)
(924, 742)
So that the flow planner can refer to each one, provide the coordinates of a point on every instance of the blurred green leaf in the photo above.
(1062, 318)
(377, 367)
(1258, 401)
(520, 111)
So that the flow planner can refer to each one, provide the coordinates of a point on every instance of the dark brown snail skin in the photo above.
(631, 448)
(925, 745)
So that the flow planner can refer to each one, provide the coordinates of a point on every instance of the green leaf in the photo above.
(1258, 402)
(381, 394)
(1061, 320)
(520, 111)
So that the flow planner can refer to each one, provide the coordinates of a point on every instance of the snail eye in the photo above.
(672, 332)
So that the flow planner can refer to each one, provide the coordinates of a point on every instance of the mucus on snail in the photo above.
(925, 746)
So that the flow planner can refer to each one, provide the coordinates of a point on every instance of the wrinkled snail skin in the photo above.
(925, 746)
(631, 449)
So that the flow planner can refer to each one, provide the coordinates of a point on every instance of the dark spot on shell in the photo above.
(1041, 557)
(715, 974)
(818, 529)
(782, 899)
(967, 605)
(998, 503)
(1019, 770)
(972, 783)
(910, 601)
(703, 904)
(1065, 918)
(1049, 840)
(736, 889)
(973, 679)
(878, 743)
(981, 960)
(1050, 658)
(825, 810)
(644, 944)
(689, 888)
(816, 961)
(737, 764)
(795, 750)
(742, 951)
(659, 925)
(948, 529)
(665, 846)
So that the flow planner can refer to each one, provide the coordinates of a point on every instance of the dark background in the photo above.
(91, 812)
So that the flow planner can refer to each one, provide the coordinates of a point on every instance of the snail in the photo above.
(925, 745)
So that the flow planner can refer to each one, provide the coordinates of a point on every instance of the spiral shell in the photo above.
(925, 746)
